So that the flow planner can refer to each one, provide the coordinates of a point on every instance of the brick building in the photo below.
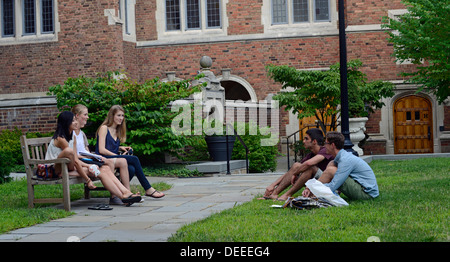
(43, 42)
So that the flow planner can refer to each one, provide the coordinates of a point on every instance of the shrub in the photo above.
(5, 166)
(10, 142)
(261, 158)
(145, 105)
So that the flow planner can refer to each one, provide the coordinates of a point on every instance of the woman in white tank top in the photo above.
(81, 116)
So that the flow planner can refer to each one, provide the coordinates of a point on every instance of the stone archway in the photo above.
(236, 88)
(235, 91)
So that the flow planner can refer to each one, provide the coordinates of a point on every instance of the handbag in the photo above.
(44, 171)
(309, 203)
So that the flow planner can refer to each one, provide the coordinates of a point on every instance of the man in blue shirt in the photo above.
(348, 173)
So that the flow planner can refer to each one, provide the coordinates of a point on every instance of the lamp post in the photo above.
(348, 145)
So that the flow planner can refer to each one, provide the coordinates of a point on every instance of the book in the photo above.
(98, 157)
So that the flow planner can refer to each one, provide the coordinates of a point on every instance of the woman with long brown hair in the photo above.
(110, 135)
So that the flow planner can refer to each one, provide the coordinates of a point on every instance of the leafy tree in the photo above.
(317, 93)
(422, 36)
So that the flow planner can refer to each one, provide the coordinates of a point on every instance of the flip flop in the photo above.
(152, 194)
(100, 207)
(131, 200)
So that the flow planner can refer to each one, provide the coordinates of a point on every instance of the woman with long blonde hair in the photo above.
(81, 116)
(110, 135)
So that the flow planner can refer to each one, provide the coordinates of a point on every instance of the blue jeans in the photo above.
(134, 168)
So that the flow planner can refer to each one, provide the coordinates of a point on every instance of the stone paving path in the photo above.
(189, 200)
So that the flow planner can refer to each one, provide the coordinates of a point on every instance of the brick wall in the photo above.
(374, 148)
(146, 21)
(373, 124)
(365, 12)
(244, 17)
(86, 45)
(447, 118)
(37, 119)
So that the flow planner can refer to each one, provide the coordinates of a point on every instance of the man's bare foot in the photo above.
(283, 198)
(269, 191)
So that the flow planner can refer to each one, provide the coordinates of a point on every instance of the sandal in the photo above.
(156, 191)
(100, 207)
(131, 200)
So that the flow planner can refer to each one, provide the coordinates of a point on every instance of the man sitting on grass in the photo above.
(348, 173)
(310, 166)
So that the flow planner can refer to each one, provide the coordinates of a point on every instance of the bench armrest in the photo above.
(52, 161)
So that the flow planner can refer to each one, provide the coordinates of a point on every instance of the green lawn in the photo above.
(14, 211)
(413, 206)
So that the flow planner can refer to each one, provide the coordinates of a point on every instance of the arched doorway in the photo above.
(235, 91)
(413, 125)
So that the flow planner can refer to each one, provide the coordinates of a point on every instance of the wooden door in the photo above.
(413, 127)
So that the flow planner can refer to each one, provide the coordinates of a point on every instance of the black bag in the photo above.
(92, 161)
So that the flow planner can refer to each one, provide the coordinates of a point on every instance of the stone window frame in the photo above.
(289, 10)
(19, 36)
(312, 27)
(204, 32)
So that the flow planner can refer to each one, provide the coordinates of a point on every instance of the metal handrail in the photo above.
(287, 145)
(243, 144)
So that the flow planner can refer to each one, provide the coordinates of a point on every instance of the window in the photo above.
(396, 15)
(213, 11)
(126, 17)
(7, 21)
(300, 11)
(23, 18)
(47, 16)
(192, 14)
(321, 10)
(173, 15)
(279, 11)
(29, 16)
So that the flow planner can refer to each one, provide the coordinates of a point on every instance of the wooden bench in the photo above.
(33, 152)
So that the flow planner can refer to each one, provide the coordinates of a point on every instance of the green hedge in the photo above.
(146, 108)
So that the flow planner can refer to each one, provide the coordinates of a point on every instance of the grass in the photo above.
(14, 211)
(413, 206)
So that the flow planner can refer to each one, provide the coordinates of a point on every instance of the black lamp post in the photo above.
(348, 145)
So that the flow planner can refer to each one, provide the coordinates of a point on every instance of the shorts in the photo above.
(318, 173)
(354, 190)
